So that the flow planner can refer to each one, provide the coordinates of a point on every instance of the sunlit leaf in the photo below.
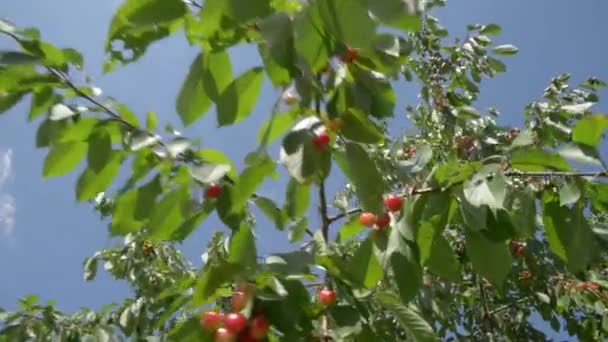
(239, 98)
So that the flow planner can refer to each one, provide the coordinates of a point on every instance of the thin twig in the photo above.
(485, 314)
(507, 306)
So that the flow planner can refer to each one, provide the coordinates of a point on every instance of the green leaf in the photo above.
(417, 328)
(277, 125)
(213, 277)
(433, 219)
(481, 190)
(368, 271)
(90, 268)
(239, 98)
(277, 31)
(297, 199)
(169, 213)
(297, 230)
(224, 209)
(377, 87)
(60, 112)
(491, 29)
(401, 262)
(505, 50)
(249, 180)
(218, 157)
(497, 65)
(270, 209)
(134, 207)
(208, 173)
(138, 23)
(522, 206)
(357, 127)
(400, 14)
(298, 154)
(569, 193)
(580, 153)
(42, 100)
(455, 172)
(494, 268)
(210, 73)
(100, 149)
(350, 229)
(95, 180)
(309, 37)
(442, 260)
(242, 247)
(63, 158)
(568, 233)
(531, 159)
(8, 100)
(589, 130)
(348, 21)
(189, 331)
(363, 173)
(16, 57)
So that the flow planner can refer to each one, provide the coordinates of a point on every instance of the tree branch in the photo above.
(485, 313)
(540, 174)
(507, 306)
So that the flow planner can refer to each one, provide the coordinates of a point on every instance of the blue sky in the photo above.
(45, 234)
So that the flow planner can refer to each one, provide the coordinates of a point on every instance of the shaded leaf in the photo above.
(496, 268)
(63, 158)
(239, 98)
(417, 328)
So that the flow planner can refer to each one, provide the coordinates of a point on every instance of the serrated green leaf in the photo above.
(442, 260)
(270, 209)
(133, 208)
(531, 159)
(297, 230)
(350, 229)
(568, 233)
(522, 206)
(309, 37)
(100, 149)
(242, 249)
(169, 213)
(359, 128)
(249, 180)
(63, 158)
(366, 178)
(93, 181)
(494, 268)
(42, 100)
(297, 199)
(368, 271)
(239, 98)
(589, 130)
(404, 15)
(418, 329)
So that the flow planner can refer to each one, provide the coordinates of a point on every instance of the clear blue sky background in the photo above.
(52, 234)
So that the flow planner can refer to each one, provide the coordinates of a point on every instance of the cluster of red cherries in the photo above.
(392, 203)
(234, 325)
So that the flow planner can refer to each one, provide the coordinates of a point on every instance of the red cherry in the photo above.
(383, 221)
(246, 337)
(350, 56)
(224, 335)
(235, 322)
(367, 219)
(327, 296)
(239, 300)
(321, 141)
(581, 286)
(213, 190)
(211, 320)
(517, 248)
(259, 327)
(393, 202)
(593, 286)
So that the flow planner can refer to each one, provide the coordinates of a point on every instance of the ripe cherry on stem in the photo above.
(258, 327)
(239, 300)
(213, 190)
(211, 320)
(393, 202)
(224, 335)
(383, 221)
(327, 296)
(235, 322)
(367, 219)
(350, 56)
(321, 141)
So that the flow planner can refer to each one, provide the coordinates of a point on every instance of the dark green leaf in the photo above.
(277, 31)
(366, 178)
(270, 209)
(416, 327)
(169, 213)
(133, 208)
(357, 127)
(494, 268)
(400, 14)
(297, 199)
(368, 271)
(93, 181)
(249, 180)
(309, 37)
(242, 247)
(491, 29)
(42, 99)
(442, 260)
(239, 98)
(15, 57)
(531, 159)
